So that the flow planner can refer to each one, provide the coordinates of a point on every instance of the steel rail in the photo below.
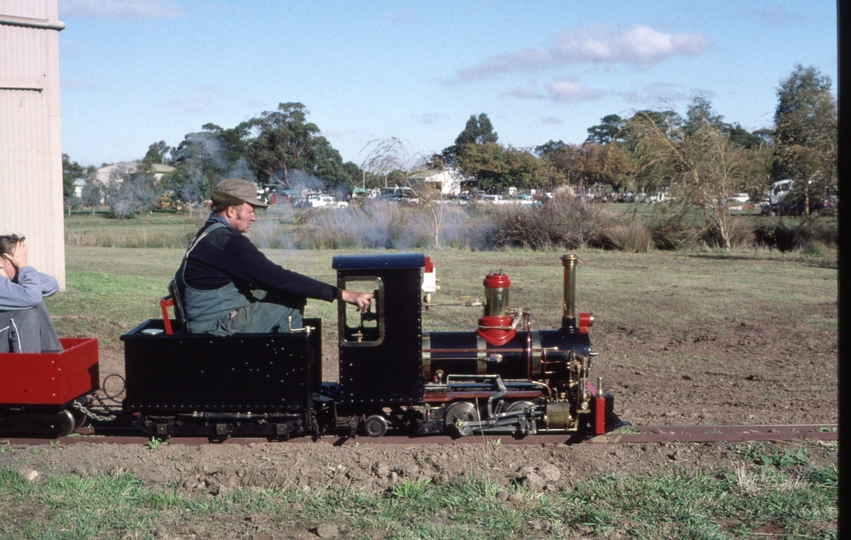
(643, 434)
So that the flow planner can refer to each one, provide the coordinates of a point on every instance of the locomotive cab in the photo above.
(380, 351)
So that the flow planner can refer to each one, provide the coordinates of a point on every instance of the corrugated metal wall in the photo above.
(30, 131)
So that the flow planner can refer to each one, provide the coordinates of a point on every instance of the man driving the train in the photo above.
(228, 286)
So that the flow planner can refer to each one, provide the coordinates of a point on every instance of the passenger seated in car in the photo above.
(24, 323)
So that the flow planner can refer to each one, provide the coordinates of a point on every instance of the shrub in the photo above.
(741, 235)
(633, 237)
(814, 236)
(562, 222)
(674, 231)
(810, 236)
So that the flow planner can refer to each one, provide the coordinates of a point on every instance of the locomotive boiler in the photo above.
(501, 376)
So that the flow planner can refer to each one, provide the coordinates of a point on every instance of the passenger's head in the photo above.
(8, 244)
(235, 200)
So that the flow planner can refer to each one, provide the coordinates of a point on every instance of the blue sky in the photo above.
(135, 72)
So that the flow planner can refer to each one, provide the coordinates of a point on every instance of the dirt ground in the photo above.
(785, 373)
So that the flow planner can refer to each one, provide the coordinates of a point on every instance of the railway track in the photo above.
(643, 434)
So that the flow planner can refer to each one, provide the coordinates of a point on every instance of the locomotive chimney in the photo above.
(569, 302)
(570, 320)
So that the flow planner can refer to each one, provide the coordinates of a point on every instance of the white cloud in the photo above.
(551, 120)
(525, 93)
(569, 89)
(119, 9)
(637, 45)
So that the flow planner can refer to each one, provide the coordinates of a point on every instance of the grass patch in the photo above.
(674, 504)
(159, 230)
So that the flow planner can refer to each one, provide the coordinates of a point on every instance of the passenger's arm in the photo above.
(26, 293)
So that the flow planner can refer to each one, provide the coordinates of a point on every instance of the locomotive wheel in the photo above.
(375, 426)
(65, 423)
(519, 406)
(463, 411)
(522, 428)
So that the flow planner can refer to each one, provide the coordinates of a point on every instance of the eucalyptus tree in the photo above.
(588, 164)
(157, 152)
(282, 141)
(702, 163)
(478, 131)
(610, 129)
(200, 162)
(498, 167)
(806, 132)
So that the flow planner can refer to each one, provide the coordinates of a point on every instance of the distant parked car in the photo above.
(626, 197)
(493, 199)
(739, 198)
(660, 196)
(327, 201)
(818, 207)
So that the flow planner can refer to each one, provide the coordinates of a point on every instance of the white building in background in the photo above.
(104, 173)
(450, 180)
(30, 131)
(79, 185)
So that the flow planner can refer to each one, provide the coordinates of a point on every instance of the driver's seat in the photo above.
(173, 300)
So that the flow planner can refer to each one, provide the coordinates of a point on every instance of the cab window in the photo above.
(363, 329)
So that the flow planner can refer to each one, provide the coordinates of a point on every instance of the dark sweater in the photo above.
(226, 255)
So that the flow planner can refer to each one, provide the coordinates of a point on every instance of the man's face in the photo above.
(240, 217)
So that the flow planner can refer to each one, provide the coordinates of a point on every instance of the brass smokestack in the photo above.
(569, 303)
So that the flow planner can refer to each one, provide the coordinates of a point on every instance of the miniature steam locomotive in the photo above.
(502, 377)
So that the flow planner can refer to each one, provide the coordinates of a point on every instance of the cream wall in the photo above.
(30, 131)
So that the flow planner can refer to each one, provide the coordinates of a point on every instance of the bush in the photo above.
(562, 222)
(633, 237)
(811, 236)
(674, 231)
(741, 235)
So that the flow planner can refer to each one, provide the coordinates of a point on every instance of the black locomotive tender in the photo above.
(501, 377)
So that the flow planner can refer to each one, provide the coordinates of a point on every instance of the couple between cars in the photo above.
(226, 284)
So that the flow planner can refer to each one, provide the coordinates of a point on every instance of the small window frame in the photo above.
(348, 333)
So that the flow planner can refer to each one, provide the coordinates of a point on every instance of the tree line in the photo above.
(697, 157)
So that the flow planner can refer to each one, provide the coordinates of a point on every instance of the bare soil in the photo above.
(738, 373)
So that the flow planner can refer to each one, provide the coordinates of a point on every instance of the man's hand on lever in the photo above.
(361, 300)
